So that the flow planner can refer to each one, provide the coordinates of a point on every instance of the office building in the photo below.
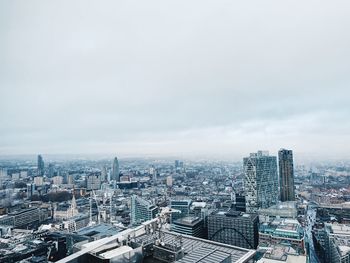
(180, 208)
(142, 210)
(283, 231)
(190, 225)
(281, 210)
(240, 204)
(333, 243)
(234, 228)
(30, 190)
(260, 181)
(285, 163)
(57, 180)
(115, 170)
(93, 182)
(40, 166)
(24, 218)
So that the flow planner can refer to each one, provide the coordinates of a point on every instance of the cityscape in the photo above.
(266, 208)
(174, 131)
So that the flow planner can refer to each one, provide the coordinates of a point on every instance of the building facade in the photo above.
(260, 181)
(41, 166)
(191, 225)
(286, 171)
(142, 210)
(115, 170)
(180, 208)
(234, 228)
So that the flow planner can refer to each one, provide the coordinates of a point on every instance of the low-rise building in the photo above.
(282, 231)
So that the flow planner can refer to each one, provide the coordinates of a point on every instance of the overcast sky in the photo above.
(220, 78)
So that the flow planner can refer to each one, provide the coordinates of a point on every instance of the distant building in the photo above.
(177, 164)
(169, 181)
(93, 182)
(104, 174)
(65, 214)
(23, 174)
(30, 190)
(24, 218)
(142, 210)
(38, 180)
(57, 180)
(192, 226)
(115, 170)
(70, 179)
(41, 166)
(181, 208)
(285, 162)
(240, 204)
(260, 181)
(234, 228)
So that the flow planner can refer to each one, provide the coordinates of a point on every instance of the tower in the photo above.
(115, 170)
(40, 165)
(286, 171)
(260, 181)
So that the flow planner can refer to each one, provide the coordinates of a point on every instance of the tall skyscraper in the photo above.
(40, 165)
(260, 181)
(285, 162)
(115, 170)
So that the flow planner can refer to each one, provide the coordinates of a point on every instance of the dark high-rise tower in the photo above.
(115, 170)
(285, 161)
(40, 165)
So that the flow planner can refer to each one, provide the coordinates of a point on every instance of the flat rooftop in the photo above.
(202, 250)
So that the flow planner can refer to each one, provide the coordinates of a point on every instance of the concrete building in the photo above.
(24, 217)
(234, 228)
(260, 181)
(93, 182)
(38, 180)
(286, 172)
(57, 180)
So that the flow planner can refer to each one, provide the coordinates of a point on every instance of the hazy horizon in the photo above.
(184, 78)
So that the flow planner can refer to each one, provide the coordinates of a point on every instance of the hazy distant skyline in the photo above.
(179, 78)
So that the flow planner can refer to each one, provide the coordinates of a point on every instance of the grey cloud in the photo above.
(80, 76)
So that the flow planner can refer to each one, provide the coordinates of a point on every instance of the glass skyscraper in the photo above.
(115, 170)
(260, 181)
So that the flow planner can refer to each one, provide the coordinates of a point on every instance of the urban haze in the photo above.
(174, 131)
